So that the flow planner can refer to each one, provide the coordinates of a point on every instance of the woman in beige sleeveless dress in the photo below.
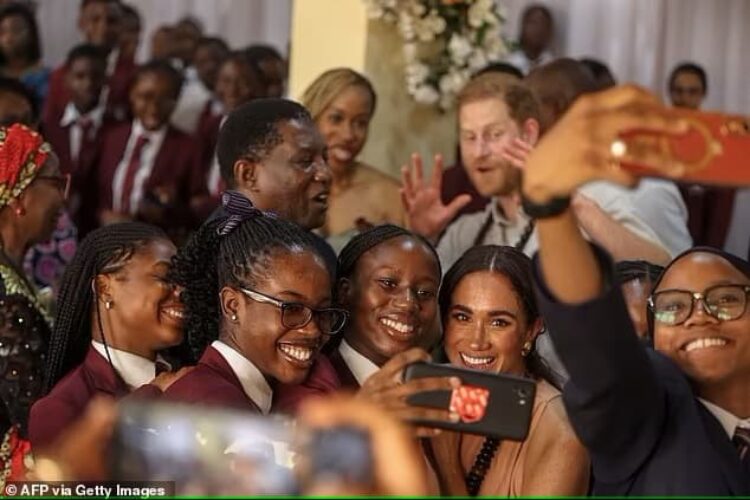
(342, 103)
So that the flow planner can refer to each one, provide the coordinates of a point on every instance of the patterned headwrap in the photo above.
(22, 154)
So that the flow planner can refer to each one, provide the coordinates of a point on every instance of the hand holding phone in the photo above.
(388, 389)
(713, 151)
(488, 404)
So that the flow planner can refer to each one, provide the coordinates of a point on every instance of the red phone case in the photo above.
(715, 150)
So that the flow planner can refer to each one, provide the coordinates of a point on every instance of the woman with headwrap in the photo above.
(32, 194)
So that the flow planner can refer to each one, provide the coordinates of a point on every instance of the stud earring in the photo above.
(20, 211)
(234, 317)
(108, 304)
(526, 350)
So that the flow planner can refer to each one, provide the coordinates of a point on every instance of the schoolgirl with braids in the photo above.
(490, 323)
(116, 311)
(388, 279)
(258, 297)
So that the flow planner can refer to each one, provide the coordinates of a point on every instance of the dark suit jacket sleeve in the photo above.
(613, 398)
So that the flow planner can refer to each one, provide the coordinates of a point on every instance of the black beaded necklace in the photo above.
(475, 477)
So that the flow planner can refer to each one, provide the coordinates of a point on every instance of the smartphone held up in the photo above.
(714, 150)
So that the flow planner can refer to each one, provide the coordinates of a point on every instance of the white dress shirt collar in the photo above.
(71, 115)
(155, 137)
(252, 380)
(148, 160)
(361, 367)
(727, 420)
(134, 370)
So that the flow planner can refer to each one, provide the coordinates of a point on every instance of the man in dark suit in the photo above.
(669, 421)
(148, 169)
(99, 23)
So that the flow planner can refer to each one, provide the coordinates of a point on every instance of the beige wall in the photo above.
(332, 33)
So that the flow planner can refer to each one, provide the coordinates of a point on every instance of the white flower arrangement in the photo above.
(467, 34)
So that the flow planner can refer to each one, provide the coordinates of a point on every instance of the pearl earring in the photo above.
(234, 317)
(108, 304)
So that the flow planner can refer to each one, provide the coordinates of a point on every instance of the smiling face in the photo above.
(153, 99)
(486, 326)
(486, 130)
(392, 298)
(344, 124)
(709, 351)
(294, 180)
(146, 314)
(280, 353)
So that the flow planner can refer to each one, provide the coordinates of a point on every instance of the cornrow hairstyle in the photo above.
(629, 270)
(367, 240)
(208, 262)
(161, 67)
(517, 267)
(252, 131)
(104, 251)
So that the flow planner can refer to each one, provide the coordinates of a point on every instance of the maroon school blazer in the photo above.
(55, 412)
(118, 103)
(211, 382)
(347, 378)
(322, 379)
(176, 166)
(83, 186)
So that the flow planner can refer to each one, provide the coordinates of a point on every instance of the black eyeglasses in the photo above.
(723, 302)
(295, 315)
(61, 182)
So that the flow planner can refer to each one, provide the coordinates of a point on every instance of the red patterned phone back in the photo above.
(715, 150)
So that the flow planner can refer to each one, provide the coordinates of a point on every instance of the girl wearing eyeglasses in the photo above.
(674, 420)
(258, 307)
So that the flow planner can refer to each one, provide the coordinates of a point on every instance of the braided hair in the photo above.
(514, 265)
(367, 240)
(240, 257)
(105, 250)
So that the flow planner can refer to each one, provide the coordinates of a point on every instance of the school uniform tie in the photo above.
(742, 441)
(86, 125)
(133, 166)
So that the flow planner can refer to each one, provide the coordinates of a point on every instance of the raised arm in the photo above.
(613, 399)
